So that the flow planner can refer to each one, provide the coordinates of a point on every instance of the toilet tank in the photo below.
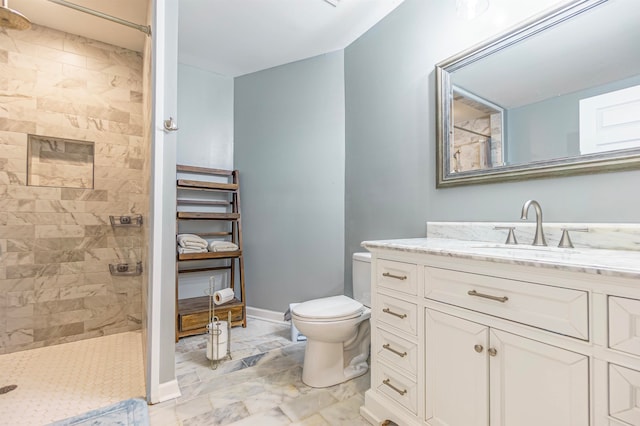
(361, 278)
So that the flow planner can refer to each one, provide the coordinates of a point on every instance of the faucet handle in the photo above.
(511, 237)
(565, 240)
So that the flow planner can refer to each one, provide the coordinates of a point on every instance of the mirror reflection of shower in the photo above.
(477, 133)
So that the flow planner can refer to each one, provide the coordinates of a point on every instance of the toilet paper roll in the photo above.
(223, 296)
(217, 341)
(219, 330)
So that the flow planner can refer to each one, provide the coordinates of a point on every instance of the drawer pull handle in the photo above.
(488, 296)
(390, 312)
(397, 277)
(478, 348)
(492, 351)
(389, 348)
(388, 383)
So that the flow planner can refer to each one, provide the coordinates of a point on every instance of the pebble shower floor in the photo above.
(61, 381)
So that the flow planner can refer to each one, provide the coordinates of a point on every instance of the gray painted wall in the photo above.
(289, 148)
(205, 103)
(390, 137)
(205, 139)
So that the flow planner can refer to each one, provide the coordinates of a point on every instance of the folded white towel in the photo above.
(193, 244)
(222, 246)
(185, 250)
(191, 240)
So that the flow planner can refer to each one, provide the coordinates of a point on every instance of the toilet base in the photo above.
(324, 365)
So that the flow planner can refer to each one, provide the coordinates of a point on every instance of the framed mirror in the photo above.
(556, 96)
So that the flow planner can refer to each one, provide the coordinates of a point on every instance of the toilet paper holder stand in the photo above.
(215, 332)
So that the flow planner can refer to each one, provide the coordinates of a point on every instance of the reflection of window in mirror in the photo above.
(477, 133)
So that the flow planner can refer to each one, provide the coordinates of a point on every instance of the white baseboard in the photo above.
(168, 390)
(266, 315)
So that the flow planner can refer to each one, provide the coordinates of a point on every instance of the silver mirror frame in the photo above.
(592, 163)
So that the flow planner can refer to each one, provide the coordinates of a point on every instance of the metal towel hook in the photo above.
(170, 125)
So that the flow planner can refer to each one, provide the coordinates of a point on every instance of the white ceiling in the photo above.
(236, 37)
(229, 37)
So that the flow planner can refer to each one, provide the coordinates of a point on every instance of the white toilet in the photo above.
(337, 330)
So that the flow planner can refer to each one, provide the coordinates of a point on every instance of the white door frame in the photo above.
(160, 369)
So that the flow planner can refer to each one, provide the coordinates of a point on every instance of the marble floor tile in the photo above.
(308, 404)
(315, 420)
(229, 414)
(261, 385)
(343, 412)
(272, 417)
(272, 397)
(193, 407)
(164, 415)
(346, 390)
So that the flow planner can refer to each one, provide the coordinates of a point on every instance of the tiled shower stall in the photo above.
(73, 151)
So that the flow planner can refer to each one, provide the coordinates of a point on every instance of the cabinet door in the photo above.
(456, 371)
(535, 384)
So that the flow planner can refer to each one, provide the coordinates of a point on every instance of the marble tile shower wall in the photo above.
(55, 242)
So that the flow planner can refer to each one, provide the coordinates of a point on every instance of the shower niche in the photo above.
(61, 163)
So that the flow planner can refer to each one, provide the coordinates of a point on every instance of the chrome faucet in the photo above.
(538, 240)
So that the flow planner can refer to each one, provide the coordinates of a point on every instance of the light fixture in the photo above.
(471, 9)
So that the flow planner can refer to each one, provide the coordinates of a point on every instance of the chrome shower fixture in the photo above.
(10, 18)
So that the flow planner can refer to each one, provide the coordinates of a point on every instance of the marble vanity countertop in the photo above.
(620, 263)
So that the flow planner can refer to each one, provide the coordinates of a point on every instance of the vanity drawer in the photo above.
(398, 276)
(396, 386)
(397, 313)
(397, 351)
(624, 388)
(560, 310)
(624, 325)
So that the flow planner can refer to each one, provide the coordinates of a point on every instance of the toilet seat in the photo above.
(334, 308)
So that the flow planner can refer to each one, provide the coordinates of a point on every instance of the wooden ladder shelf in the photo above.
(209, 196)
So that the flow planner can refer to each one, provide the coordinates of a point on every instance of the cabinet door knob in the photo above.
(478, 348)
(492, 351)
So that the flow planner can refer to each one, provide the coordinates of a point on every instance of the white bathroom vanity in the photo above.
(466, 332)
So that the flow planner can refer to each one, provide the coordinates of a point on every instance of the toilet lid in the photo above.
(329, 308)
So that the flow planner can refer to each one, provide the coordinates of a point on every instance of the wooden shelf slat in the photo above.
(203, 170)
(184, 201)
(210, 255)
(194, 305)
(209, 268)
(207, 216)
(212, 234)
(212, 186)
